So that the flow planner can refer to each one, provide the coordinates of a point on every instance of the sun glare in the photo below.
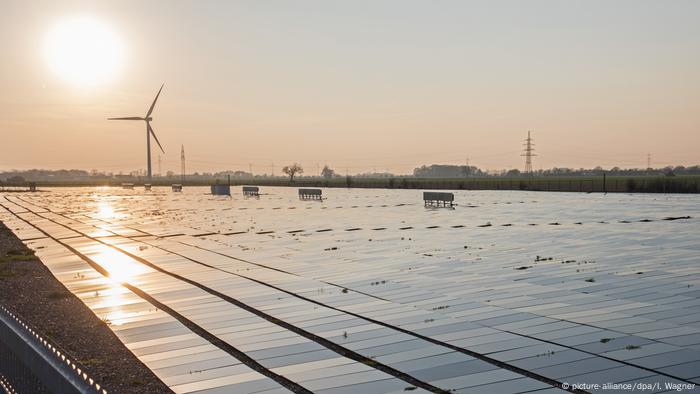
(105, 210)
(83, 51)
(121, 267)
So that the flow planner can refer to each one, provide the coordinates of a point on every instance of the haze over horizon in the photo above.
(362, 85)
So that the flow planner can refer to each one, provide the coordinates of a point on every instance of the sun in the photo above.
(83, 51)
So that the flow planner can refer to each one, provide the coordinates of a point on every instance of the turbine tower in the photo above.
(149, 131)
(182, 165)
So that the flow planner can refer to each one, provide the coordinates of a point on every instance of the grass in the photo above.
(546, 354)
(370, 362)
(20, 252)
(58, 295)
(18, 258)
(5, 273)
(16, 255)
(90, 362)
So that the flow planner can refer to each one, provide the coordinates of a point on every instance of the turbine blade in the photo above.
(150, 130)
(127, 118)
(150, 110)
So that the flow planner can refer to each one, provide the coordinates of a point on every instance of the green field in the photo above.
(626, 184)
(585, 184)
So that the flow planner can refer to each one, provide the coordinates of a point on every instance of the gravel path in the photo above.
(29, 289)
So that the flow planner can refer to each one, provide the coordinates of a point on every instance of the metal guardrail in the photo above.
(31, 364)
(5, 386)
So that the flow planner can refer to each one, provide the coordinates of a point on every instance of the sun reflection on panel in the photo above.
(121, 268)
(111, 302)
(105, 210)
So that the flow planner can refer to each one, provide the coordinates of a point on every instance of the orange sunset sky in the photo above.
(361, 85)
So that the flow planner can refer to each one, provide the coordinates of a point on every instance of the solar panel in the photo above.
(369, 291)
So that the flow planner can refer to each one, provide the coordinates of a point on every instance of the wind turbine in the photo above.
(149, 130)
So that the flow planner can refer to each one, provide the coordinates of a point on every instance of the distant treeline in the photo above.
(453, 171)
(583, 184)
(441, 171)
(660, 183)
(447, 171)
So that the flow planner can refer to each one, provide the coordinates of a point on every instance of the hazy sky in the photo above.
(359, 84)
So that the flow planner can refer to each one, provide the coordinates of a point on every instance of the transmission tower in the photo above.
(182, 165)
(529, 148)
(159, 165)
(648, 161)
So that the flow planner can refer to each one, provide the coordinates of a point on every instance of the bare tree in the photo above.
(327, 172)
(293, 170)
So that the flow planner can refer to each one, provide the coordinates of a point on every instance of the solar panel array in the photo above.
(368, 291)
